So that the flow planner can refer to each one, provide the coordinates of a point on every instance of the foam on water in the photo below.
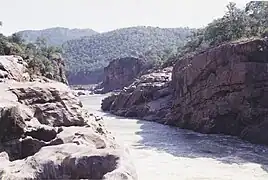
(167, 153)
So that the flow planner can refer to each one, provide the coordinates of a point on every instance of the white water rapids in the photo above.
(167, 153)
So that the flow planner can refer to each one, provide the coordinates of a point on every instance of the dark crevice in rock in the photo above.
(42, 134)
(20, 149)
(55, 142)
(37, 101)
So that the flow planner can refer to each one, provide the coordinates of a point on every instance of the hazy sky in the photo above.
(106, 15)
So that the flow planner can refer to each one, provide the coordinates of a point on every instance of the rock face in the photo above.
(146, 97)
(120, 73)
(13, 67)
(46, 134)
(224, 90)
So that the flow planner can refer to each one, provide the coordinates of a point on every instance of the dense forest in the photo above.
(236, 24)
(55, 36)
(93, 53)
(42, 59)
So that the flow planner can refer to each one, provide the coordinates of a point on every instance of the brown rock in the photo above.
(120, 73)
(223, 90)
(53, 103)
(144, 98)
(66, 161)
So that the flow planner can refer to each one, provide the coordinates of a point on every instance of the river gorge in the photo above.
(163, 152)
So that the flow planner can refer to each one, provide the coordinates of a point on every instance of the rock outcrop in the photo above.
(222, 90)
(46, 134)
(146, 98)
(13, 67)
(120, 73)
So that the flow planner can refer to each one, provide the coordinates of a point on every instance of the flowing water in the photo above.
(167, 153)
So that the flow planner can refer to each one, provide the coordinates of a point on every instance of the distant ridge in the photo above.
(91, 54)
(56, 36)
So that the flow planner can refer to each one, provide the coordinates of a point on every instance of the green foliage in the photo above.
(234, 25)
(95, 52)
(16, 38)
(258, 15)
(239, 23)
(41, 58)
(230, 27)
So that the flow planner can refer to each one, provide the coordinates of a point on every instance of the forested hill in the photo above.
(55, 36)
(93, 53)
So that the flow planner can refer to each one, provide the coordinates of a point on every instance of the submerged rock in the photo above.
(80, 93)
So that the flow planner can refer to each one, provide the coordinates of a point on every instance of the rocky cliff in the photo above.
(147, 97)
(46, 134)
(222, 90)
(121, 72)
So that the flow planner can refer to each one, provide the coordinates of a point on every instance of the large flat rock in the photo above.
(45, 133)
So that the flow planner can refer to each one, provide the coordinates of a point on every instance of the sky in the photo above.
(107, 15)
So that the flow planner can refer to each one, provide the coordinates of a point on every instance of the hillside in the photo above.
(56, 36)
(91, 54)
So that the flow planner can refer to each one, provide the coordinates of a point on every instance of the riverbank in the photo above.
(222, 90)
(163, 152)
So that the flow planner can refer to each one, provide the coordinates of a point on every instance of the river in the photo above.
(161, 152)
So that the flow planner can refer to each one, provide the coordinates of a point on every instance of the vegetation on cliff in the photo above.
(42, 59)
(252, 21)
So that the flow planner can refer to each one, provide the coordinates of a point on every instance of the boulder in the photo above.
(80, 93)
(66, 161)
(53, 103)
(45, 133)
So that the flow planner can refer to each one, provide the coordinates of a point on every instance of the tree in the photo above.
(16, 38)
(230, 27)
(41, 42)
(257, 11)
